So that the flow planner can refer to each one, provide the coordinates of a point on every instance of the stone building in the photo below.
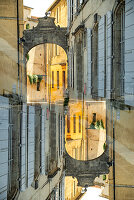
(100, 56)
(31, 149)
(56, 56)
(36, 65)
(11, 69)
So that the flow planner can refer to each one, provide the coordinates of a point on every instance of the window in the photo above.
(85, 39)
(71, 9)
(94, 73)
(72, 71)
(38, 86)
(68, 123)
(57, 79)
(94, 117)
(74, 121)
(57, 15)
(79, 124)
(118, 62)
(55, 50)
(74, 189)
(52, 79)
(63, 78)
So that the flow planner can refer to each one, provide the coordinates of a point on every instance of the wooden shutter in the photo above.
(129, 53)
(31, 144)
(68, 11)
(23, 147)
(108, 53)
(4, 119)
(43, 141)
(101, 57)
(89, 59)
(63, 187)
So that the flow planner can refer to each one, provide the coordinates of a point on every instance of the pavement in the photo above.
(93, 194)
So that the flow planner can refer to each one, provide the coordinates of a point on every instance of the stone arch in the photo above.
(87, 171)
(45, 32)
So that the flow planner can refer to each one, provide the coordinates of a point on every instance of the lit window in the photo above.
(52, 79)
(57, 79)
(94, 117)
(79, 124)
(74, 120)
(63, 76)
(38, 86)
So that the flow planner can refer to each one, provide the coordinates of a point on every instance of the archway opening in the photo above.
(86, 129)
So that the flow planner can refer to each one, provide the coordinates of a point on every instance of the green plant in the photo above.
(40, 77)
(27, 26)
(104, 177)
(27, 57)
(66, 101)
(30, 79)
(101, 124)
(97, 124)
(35, 79)
(92, 125)
(104, 146)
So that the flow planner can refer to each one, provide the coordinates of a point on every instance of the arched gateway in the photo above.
(47, 32)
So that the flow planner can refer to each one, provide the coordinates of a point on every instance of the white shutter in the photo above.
(74, 6)
(43, 141)
(89, 60)
(101, 57)
(108, 53)
(4, 119)
(23, 147)
(31, 144)
(68, 11)
(63, 187)
(129, 53)
(81, 1)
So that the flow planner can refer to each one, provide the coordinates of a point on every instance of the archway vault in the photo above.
(87, 171)
(45, 32)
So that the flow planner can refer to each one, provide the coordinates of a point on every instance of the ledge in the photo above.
(53, 172)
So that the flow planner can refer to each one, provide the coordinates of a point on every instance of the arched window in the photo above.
(118, 51)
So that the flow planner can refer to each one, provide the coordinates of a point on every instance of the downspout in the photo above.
(113, 157)
(18, 48)
(19, 184)
(111, 98)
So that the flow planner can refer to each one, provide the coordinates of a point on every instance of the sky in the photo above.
(40, 6)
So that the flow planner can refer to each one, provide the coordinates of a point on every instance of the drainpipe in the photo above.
(18, 48)
(113, 156)
(112, 105)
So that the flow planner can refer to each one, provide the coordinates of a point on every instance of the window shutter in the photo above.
(108, 53)
(23, 147)
(74, 6)
(89, 60)
(129, 53)
(43, 141)
(4, 118)
(31, 144)
(101, 57)
(68, 7)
